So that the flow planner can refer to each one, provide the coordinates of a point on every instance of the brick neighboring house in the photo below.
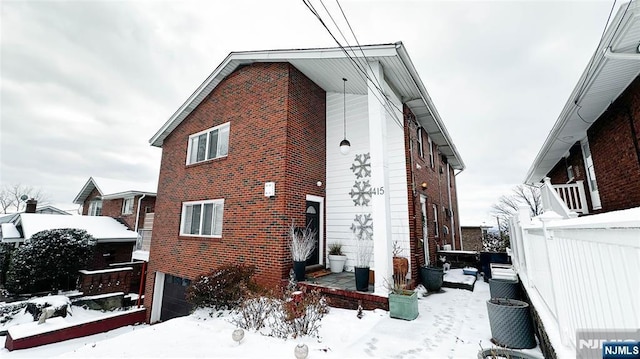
(131, 203)
(256, 147)
(472, 237)
(592, 153)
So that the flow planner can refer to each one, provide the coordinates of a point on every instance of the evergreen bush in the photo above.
(49, 261)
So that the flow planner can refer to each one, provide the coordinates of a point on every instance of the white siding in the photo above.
(340, 179)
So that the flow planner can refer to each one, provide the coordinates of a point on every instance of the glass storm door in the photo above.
(313, 223)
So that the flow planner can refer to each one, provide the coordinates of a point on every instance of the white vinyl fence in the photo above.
(580, 273)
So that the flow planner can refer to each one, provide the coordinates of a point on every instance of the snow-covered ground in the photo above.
(451, 324)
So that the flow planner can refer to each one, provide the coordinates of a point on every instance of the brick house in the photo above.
(131, 203)
(256, 147)
(591, 156)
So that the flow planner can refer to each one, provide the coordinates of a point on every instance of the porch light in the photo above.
(345, 145)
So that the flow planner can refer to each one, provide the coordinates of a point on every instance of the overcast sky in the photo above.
(85, 84)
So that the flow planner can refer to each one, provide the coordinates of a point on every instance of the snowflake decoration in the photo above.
(361, 193)
(362, 226)
(362, 165)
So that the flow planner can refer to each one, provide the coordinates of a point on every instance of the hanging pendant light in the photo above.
(345, 145)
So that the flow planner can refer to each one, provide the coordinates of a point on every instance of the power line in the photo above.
(354, 62)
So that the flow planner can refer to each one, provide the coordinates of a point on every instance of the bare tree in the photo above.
(11, 197)
(507, 205)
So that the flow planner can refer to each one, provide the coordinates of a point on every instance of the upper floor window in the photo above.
(202, 218)
(95, 208)
(430, 144)
(127, 205)
(208, 144)
(420, 146)
(435, 220)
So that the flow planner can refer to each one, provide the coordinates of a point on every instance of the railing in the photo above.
(143, 243)
(583, 272)
(574, 196)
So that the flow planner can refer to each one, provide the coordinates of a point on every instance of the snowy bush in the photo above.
(223, 288)
(49, 261)
(299, 314)
(254, 312)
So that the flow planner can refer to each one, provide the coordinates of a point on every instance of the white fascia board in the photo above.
(80, 198)
(234, 59)
(594, 67)
(128, 194)
(404, 56)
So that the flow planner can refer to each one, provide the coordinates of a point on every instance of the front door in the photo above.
(313, 223)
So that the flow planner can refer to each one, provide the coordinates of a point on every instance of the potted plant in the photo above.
(336, 257)
(511, 324)
(301, 244)
(432, 277)
(363, 258)
(403, 304)
(400, 264)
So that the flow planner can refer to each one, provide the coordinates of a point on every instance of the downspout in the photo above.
(455, 175)
(453, 233)
(138, 211)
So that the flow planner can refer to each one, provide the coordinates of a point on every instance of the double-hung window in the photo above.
(208, 144)
(127, 205)
(202, 218)
(95, 208)
(430, 144)
(435, 221)
(420, 146)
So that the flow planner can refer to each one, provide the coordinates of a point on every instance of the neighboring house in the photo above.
(472, 237)
(256, 147)
(110, 234)
(592, 154)
(49, 209)
(132, 203)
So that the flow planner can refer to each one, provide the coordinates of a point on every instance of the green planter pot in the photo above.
(403, 306)
(362, 279)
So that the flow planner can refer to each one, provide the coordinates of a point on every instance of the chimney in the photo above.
(31, 206)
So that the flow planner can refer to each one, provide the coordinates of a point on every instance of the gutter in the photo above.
(138, 211)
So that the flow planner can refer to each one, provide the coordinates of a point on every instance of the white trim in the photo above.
(220, 129)
(125, 210)
(192, 203)
(156, 303)
(436, 232)
(320, 200)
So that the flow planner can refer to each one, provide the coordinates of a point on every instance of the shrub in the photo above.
(49, 261)
(293, 314)
(223, 288)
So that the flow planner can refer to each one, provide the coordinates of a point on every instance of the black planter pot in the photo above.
(432, 278)
(362, 279)
(511, 323)
(504, 288)
(299, 269)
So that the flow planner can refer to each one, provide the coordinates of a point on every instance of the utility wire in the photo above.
(354, 62)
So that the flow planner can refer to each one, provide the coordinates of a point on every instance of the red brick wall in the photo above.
(558, 174)
(615, 155)
(612, 140)
(108, 253)
(277, 133)
(436, 192)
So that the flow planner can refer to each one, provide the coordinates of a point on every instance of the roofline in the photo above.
(404, 56)
(90, 180)
(254, 56)
(615, 29)
(128, 194)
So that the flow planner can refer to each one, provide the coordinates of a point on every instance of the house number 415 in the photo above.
(377, 190)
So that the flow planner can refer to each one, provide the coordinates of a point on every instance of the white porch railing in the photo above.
(573, 195)
(580, 273)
